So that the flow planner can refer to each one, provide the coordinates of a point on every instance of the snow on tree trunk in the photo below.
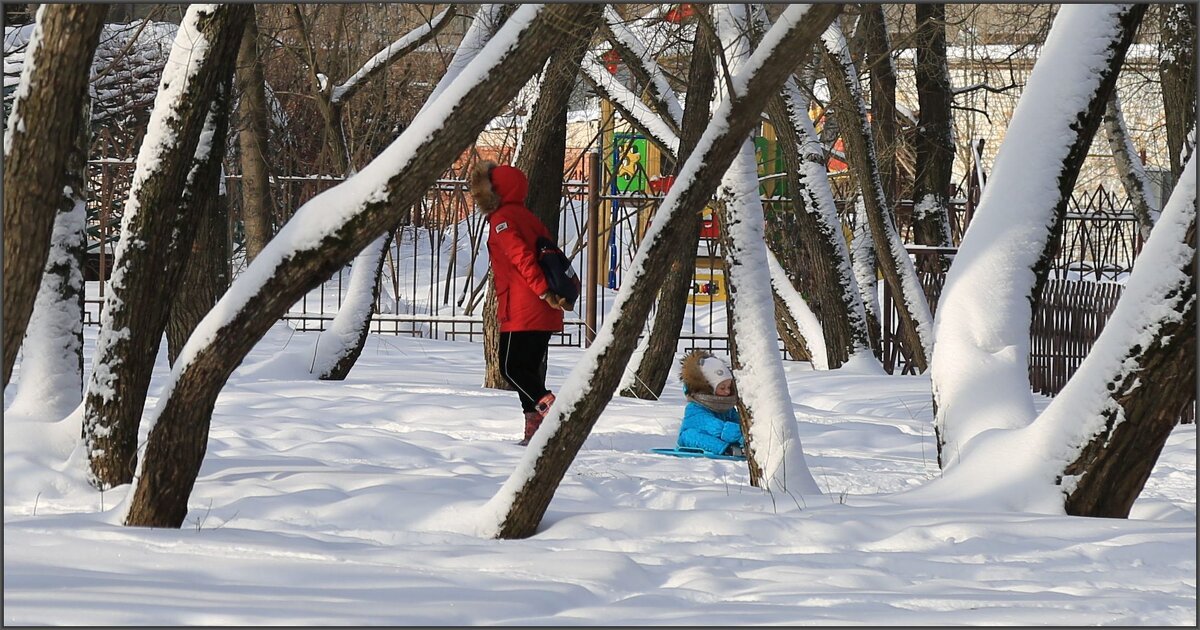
(916, 323)
(631, 108)
(258, 207)
(51, 383)
(147, 267)
(1125, 399)
(517, 509)
(1092, 449)
(935, 136)
(805, 322)
(339, 346)
(981, 366)
(1177, 71)
(768, 419)
(656, 357)
(863, 262)
(206, 275)
(824, 272)
(1129, 166)
(43, 126)
(322, 236)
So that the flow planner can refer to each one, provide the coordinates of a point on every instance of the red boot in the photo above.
(543, 405)
(533, 420)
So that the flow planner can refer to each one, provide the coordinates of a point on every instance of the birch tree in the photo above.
(980, 370)
(1129, 166)
(147, 265)
(322, 236)
(519, 506)
(916, 323)
(42, 128)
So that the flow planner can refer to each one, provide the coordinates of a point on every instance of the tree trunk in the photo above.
(522, 502)
(1129, 166)
(1143, 366)
(877, 49)
(1177, 70)
(864, 264)
(809, 240)
(935, 137)
(155, 219)
(206, 275)
(42, 129)
(984, 384)
(916, 323)
(339, 347)
(544, 143)
(662, 344)
(51, 383)
(257, 205)
(493, 378)
(302, 256)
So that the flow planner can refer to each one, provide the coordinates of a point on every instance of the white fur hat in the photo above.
(715, 371)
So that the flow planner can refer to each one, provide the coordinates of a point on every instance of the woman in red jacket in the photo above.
(528, 311)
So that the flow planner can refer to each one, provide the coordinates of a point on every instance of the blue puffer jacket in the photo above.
(714, 432)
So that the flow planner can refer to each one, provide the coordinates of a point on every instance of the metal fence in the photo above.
(434, 277)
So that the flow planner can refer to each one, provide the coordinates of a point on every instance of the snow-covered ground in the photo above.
(351, 503)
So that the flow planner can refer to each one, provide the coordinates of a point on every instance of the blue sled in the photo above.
(687, 451)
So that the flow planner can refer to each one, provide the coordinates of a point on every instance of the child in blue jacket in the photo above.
(710, 421)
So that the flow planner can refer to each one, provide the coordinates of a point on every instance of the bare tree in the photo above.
(1177, 69)
(43, 128)
(821, 270)
(257, 204)
(934, 138)
(522, 502)
(300, 257)
(206, 275)
(916, 323)
(877, 55)
(154, 229)
(650, 375)
(339, 347)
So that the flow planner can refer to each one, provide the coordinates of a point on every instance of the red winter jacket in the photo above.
(520, 283)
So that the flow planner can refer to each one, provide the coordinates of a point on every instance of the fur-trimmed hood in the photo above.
(493, 185)
(701, 372)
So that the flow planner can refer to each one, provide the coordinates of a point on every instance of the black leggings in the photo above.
(523, 364)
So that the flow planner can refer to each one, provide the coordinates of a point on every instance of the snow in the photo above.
(980, 364)
(806, 320)
(342, 335)
(344, 503)
(52, 384)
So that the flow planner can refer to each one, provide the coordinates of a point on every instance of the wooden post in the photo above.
(593, 246)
